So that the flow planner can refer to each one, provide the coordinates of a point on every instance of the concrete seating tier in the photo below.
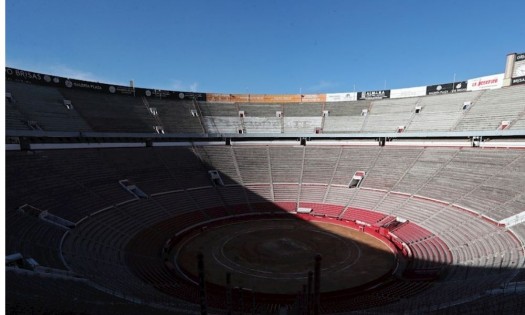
(44, 105)
(119, 113)
(519, 124)
(176, 116)
(34, 238)
(354, 214)
(411, 233)
(75, 184)
(390, 166)
(14, 119)
(111, 113)
(354, 159)
(34, 293)
(303, 110)
(219, 109)
(286, 164)
(260, 110)
(339, 195)
(440, 112)
(319, 164)
(346, 109)
(312, 193)
(343, 124)
(262, 125)
(253, 164)
(493, 107)
(222, 157)
(303, 124)
(388, 115)
(221, 124)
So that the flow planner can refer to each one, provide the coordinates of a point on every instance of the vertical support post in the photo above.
(304, 300)
(317, 284)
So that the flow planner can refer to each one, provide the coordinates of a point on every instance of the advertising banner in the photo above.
(282, 98)
(485, 83)
(45, 79)
(520, 57)
(518, 80)
(171, 95)
(21, 75)
(409, 92)
(61, 82)
(219, 98)
(265, 98)
(241, 98)
(373, 95)
(446, 88)
(341, 97)
(519, 69)
(313, 98)
(259, 98)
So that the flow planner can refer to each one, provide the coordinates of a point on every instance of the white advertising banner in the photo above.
(485, 83)
(409, 92)
(519, 69)
(341, 97)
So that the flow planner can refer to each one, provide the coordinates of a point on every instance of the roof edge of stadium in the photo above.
(371, 135)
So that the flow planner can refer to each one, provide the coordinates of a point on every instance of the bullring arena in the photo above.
(275, 256)
(108, 207)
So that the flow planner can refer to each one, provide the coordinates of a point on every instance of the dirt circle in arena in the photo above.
(275, 255)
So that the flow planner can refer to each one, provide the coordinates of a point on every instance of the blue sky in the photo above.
(264, 46)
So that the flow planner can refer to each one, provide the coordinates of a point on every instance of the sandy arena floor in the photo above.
(275, 255)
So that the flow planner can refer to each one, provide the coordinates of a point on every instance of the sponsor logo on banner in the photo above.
(241, 98)
(219, 98)
(446, 88)
(373, 95)
(161, 93)
(486, 82)
(257, 98)
(283, 98)
(519, 69)
(409, 92)
(121, 90)
(88, 85)
(23, 75)
(61, 82)
(313, 98)
(518, 80)
(341, 97)
(520, 57)
(173, 95)
(264, 98)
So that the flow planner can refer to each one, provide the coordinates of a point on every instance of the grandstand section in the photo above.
(413, 197)
(125, 109)
(96, 248)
